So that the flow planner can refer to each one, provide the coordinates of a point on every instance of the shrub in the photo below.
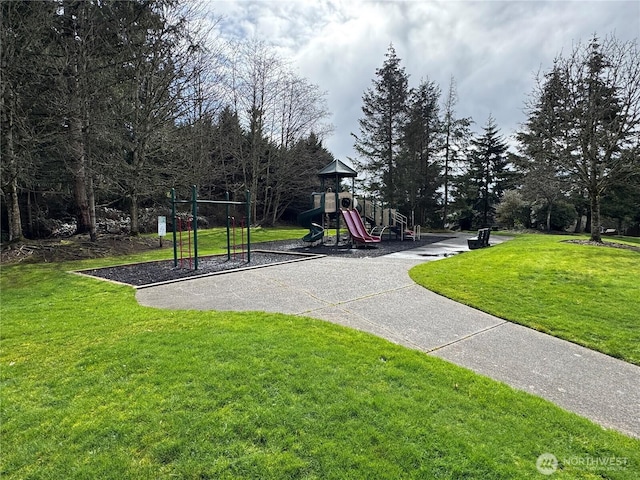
(513, 211)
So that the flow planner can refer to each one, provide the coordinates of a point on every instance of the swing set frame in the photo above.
(194, 212)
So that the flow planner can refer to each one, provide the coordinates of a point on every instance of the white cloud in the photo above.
(492, 48)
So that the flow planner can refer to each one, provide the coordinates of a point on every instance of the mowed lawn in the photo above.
(586, 294)
(95, 386)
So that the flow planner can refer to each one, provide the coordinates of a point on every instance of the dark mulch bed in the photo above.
(147, 273)
(385, 247)
(262, 254)
(623, 246)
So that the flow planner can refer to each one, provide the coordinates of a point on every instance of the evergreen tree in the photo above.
(230, 147)
(604, 83)
(382, 127)
(621, 202)
(296, 177)
(487, 175)
(598, 113)
(420, 165)
(23, 32)
(84, 47)
(157, 49)
(457, 133)
(542, 146)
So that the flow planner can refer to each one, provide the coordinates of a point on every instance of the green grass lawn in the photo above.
(95, 386)
(585, 294)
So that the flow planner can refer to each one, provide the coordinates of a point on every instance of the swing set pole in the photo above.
(226, 198)
(194, 209)
(194, 212)
(173, 222)
(248, 202)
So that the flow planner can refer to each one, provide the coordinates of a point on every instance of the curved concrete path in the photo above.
(376, 295)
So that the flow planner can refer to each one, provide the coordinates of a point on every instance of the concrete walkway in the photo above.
(376, 295)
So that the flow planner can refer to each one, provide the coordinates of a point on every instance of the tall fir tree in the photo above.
(603, 117)
(542, 145)
(487, 175)
(596, 127)
(457, 134)
(421, 162)
(382, 127)
(23, 30)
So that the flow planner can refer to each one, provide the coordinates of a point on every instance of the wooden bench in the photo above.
(481, 240)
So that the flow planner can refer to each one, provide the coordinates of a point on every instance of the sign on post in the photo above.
(162, 227)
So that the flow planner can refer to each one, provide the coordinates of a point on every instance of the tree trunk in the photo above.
(549, 218)
(485, 193)
(31, 228)
(75, 122)
(91, 196)
(13, 211)
(445, 203)
(276, 203)
(79, 177)
(578, 228)
(135, 227)
(92, 210)
(595, 218)
(12, 193)
(390, 186)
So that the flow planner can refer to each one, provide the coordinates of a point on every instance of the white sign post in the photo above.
(162, 228)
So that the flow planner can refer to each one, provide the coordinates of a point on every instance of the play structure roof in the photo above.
(337, 169)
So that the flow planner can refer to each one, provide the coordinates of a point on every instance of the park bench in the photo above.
(480, 240)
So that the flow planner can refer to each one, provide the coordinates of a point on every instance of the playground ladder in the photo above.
(402, 221)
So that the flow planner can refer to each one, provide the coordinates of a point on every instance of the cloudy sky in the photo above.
(492, 48)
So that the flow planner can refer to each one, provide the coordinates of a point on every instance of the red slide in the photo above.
(356, 228)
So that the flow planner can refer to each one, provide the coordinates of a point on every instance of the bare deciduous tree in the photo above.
(277, 109)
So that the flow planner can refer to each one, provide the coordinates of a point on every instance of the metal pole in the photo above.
(324, 213)
(337, 194)
(242, 236)
(233, 226)
(248, 226)
(180, 232)
(226, 197)
(173, 221)
(194, 208)
(189, 241)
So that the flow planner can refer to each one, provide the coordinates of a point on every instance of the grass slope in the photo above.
(582, 293)
(95, 386)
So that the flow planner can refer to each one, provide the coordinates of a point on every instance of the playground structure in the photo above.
(323, 205)
(327, 202)
(388, 220)
(356, 214)
(186, 229)
(357, 229)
